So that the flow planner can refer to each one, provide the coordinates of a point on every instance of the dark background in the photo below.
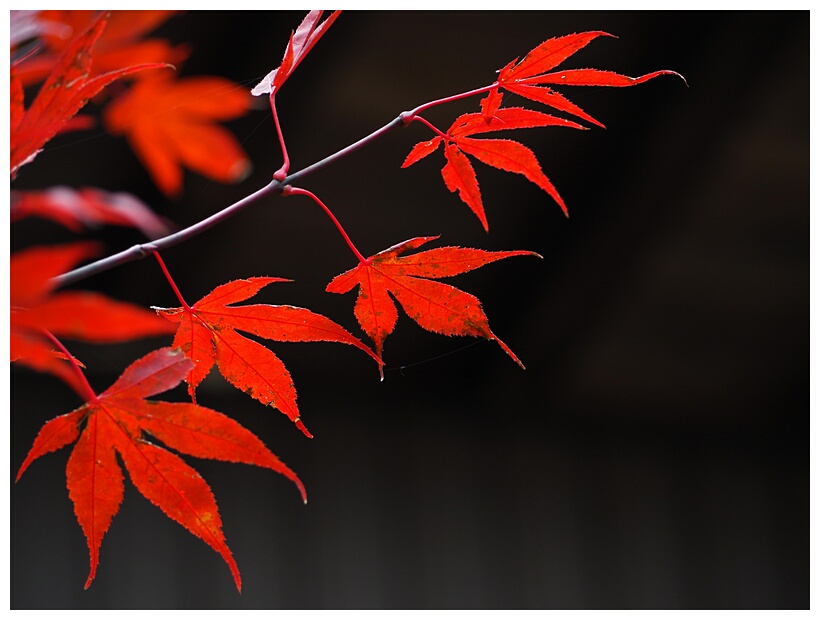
(654, 454)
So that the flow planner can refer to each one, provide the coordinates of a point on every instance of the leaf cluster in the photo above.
(172, 123)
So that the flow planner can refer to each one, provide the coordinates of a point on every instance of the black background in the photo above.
(654, 454)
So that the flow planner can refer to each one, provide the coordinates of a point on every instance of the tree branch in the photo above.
(142, 250)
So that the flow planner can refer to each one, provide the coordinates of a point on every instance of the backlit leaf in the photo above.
(120, 421)
(301, 42)
(435, 306)
(458, 173)
(207, 335)
(523, 78)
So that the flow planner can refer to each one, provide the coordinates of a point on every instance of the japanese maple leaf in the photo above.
(300, 43)
(170, 123)
(67, 89)
(122, 421)
(207, 333)
(530, 77)
(86, 208)
(120, 44)
(509, 155)
(435, 306)
(79, 315)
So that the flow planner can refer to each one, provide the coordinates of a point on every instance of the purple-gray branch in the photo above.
(274, 187)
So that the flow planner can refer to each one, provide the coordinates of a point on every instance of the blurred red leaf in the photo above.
(170, 124)
(86, 208)
(121, 421)
(118, 46)
(67, 89)
(79, 315)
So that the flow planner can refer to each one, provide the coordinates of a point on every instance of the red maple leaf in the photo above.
(67, 89)
(170, 123)
(529, 77)
(121, 421)
(435, 306)
(87, 208)
(207, 334)
(300, 43)
(508, 155)
(79, 315)
(119, 45)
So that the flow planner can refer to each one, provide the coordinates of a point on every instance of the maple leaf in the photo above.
(435, 306)
(529, 77)
(300, 43)
(67, 89)
(207, 334)
(118, 46)
(170, 123)
(508, 155)
(87, 207)
(79, 315)
(121, 421)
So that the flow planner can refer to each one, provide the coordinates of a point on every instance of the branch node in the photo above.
(147, 249)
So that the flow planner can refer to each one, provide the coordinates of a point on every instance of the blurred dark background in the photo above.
(654, 454)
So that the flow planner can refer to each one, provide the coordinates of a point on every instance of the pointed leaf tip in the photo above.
(303, 428)
(508, 351)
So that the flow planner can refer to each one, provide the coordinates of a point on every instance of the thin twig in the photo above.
(142, 250)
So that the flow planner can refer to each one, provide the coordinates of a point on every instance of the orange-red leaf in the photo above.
(435, 306)
(79, 315)
(490, 104)
(300, 43)
(120, 421)
(207, 334)
(120, 44)
(87, 208)
(458, 172)
(526, 78)
(32, 270)
(552, 98)
(421, 150)
(170, 123)
(458, 175)
(17, 101)
(89, 316)
(505, 119)
(94, 480)
(549, 54)
(54, 435)
(67, 89)
(521, 78)
(513, 157)
(595, 77)
(179, 491)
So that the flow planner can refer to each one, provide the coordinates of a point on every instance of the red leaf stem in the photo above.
(297, 191)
